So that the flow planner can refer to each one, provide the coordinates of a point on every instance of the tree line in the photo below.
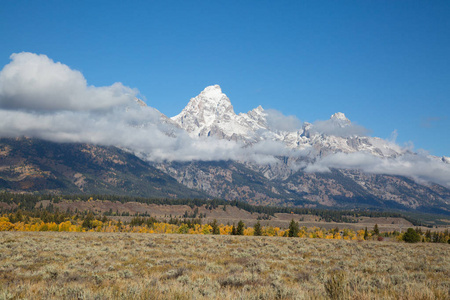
(57, 221)
(27, 202)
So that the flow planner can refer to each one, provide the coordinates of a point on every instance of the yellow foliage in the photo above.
(206, 229)
(65, 226)
(6, 226)
(249, 231)
(329, 236)
(225, 229)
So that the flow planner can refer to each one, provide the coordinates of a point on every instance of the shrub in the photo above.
(334, 286)
(411, 236)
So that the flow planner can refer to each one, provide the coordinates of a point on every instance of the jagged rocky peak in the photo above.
(210, 114)
(258, 110)
(212, 91)
(256, 113)
(339, 116)
(209, 105)
(340, 119)
(140, 102)
(212, 99)
(446, 159)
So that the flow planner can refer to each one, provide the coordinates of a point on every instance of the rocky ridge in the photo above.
(211, 114)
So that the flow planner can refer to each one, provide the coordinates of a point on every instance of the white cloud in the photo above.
(35, 82)
(277, 121)
(419, 166)
(393, 137)
(331, 127)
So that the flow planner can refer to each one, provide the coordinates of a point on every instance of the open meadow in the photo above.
(89, 265)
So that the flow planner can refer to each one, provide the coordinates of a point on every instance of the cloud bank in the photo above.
(277, 121)
(419, 166)
(35, 82)
(45, 99)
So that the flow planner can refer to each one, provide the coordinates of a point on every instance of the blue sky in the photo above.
(385, 64)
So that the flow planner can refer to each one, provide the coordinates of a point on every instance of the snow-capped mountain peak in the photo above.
(256, 118)
(212, 92)
(340, 119)
(258, 110)
(210, 114)
(210, 104)
(339, 116)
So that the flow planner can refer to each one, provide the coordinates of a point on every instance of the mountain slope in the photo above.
(31, 165)
(231, 181)
(344, 189)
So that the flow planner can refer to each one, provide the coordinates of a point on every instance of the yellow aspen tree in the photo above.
(276, 230)
(249, 231)
(65, 226)
(206, 229)
(268, 231)
(225, 229)
(360, 234)
(6, 226)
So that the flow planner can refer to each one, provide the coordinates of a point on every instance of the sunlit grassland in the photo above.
(70, 265)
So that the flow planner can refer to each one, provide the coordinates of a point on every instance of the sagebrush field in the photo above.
(60, 265)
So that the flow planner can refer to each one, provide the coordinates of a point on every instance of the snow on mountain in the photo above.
(211, 114)
(340, 119)
(140, 102)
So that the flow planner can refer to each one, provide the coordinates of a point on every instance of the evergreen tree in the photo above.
(366, 234)
(240, 228)
(215, 227)
(376, 230)
(233, 230)
(87, 223)
(411, 236)
(257, 229)
(19, 217)
(293, 229)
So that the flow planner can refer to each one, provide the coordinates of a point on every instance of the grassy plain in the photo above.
(60, 265)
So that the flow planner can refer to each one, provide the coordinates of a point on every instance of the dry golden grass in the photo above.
(49, 265)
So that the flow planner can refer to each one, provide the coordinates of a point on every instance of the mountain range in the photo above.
(261, 157)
